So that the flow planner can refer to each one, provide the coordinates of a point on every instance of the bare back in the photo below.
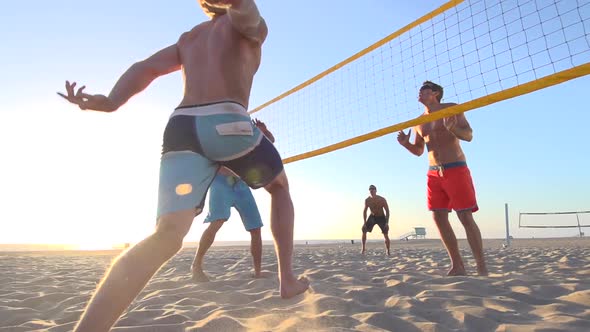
(443, 147)
(376, 205)
(218, 63)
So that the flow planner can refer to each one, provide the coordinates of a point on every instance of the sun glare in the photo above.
(97, 245)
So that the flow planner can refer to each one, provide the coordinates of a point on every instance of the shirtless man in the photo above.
(450, 186)
(379, 216)
(210, 128)
(227, 191)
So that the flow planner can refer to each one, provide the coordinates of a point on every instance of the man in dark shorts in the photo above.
(449, 183)
(379, 216)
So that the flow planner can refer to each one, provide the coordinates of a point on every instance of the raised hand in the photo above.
(450, 122)
(402, 138)
(263, 129)
(261, 125)
(86, 101)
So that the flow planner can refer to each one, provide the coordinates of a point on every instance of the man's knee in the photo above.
(255, 233)
(465, 217)
(280, 182)
(172, 228)
(214, 226)
(440, 216)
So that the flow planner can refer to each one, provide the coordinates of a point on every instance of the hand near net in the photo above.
(404, 138)
(263, 129)
(261, 125)
(450, 122)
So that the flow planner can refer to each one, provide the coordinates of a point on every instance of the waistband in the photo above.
(446, 166)
(220, 107)
(230, 179)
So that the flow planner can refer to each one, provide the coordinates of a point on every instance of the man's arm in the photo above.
(404, 139)
(262, 126)
(386, 208)
(142, 73)
(268, 135)
(365, 212)
(134, 80)
(459, 127)
(246, 19)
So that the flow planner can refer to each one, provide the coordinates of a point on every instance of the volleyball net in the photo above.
(480, 51)
(574, 219)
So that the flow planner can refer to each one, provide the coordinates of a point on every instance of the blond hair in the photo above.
(211, 11)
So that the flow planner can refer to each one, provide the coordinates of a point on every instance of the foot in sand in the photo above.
(292, 287)
(456, 271)
(482, 271)
(199, 276)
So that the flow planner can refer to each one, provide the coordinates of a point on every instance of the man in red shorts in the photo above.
(450, 186)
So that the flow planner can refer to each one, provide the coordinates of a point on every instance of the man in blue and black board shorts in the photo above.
(209, 129)
(228, 190)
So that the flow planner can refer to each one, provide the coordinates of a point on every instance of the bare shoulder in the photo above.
(193, 32)
(263, 30)
(445, 105)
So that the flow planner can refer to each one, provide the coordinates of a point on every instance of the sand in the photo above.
(536, 285)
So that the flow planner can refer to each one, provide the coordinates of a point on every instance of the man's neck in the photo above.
(432, 107)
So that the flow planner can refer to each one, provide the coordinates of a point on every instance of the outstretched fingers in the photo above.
(71, 96)
(402, 134)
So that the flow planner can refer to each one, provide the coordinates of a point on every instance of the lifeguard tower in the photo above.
(418, 233)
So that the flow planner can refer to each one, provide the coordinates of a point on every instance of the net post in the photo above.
(507, 225)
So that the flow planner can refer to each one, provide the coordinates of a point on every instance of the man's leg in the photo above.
(206, 241)
(474, 239)
(256, 251)
(364, 240)
(387, 243)
(246, 206)
(132, 270)
(441, 218)
(281, 223)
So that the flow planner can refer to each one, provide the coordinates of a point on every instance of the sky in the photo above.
(91, 179)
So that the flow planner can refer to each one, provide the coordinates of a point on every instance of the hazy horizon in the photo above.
(30, 247)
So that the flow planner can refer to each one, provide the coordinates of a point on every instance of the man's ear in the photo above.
(438, 95)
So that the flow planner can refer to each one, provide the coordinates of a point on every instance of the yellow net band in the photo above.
(454, 110)
(480, 51)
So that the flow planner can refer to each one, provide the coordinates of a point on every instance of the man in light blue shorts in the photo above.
(227, 191)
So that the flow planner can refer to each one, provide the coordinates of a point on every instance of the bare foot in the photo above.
(388, 253)
(199, 276)
(456, 271)
(363, 251)
(482, 271)
(290, 288)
